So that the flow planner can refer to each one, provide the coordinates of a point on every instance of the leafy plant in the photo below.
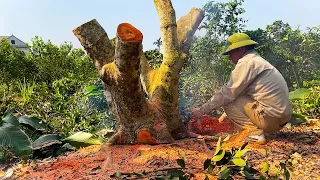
(306, 102)
(154, 56)
(231, 164)
(14, 139)
(298, 94)
(26, 90)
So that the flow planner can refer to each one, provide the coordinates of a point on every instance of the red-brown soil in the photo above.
(301, 143)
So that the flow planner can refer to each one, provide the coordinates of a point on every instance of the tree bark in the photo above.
(126, 74)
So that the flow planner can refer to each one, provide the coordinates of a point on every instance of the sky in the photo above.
(54, 20)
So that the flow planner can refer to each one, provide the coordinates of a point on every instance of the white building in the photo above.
(16, 42)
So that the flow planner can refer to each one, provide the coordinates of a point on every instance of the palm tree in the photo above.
(158, 43)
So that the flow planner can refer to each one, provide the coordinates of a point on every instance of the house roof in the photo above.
(17, 46)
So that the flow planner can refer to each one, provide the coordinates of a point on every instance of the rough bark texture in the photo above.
(128, 77)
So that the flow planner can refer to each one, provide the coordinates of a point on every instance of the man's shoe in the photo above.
(258, 139)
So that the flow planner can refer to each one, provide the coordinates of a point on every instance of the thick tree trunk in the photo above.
(128, 77)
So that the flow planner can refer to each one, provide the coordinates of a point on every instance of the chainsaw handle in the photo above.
(222, 117)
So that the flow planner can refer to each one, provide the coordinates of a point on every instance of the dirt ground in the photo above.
(302, 143)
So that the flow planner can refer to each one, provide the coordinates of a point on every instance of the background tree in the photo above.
(293, 52)
(14, 65)
(158, 43)
(207, 69)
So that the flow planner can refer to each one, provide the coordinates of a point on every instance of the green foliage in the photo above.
(45, 140)
(26, 90)
(14, 139)
(233, 164)
(81, 139)
(34, 123)
(14, 64)
(293, 52)
(207, 69)
(223, 19)
(306, 102)
(49, 60)
(298, 94)
(66, 106)
(154, 58)
(49, 83)
(93, 91)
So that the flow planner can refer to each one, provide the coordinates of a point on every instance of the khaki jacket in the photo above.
(257, 78)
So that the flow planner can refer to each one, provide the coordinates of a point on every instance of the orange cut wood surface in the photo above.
(129, 33)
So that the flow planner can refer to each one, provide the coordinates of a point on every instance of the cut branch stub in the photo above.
(128, 93)
(187, 26)
(128, 48)
(128, 33)
(96, 43)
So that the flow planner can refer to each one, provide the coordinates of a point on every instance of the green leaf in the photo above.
(240, 153)
(264, 177)
(176, 173)
(251, 170)
(239, 162)
(299, 116)
(298, 94)
(66, 147)
(182, 154)
(244, 145)
(2, 154)
(11, 120)
(33, 122)
(14, 139)
(91, 88)
(283, 166)
(248, 175)
(138, 174)
(8, 112)
(45, 141)
(223, 168)
(118, 174)
(218, 147)
(211, 168)
(227, 138)
(219, 156)
(265, 167)
(181, 163)
(287, 175)
(206, 178)
(93, 91)
(82, 139)
(206, 164)
(225, 173)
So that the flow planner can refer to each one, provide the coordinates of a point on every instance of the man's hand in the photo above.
(196, 113)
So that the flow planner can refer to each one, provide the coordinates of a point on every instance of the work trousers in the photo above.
(249, 114)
